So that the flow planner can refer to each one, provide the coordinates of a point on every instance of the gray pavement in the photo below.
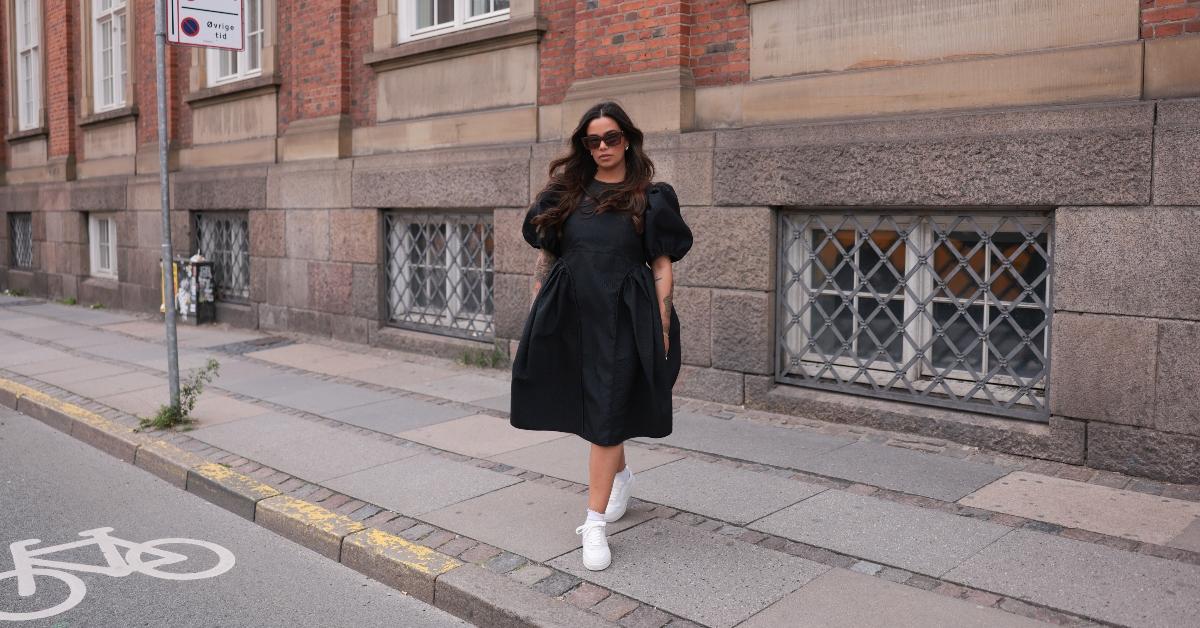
(753, 544)
(54, 487)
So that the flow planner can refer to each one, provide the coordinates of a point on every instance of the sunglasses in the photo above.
(612, 138)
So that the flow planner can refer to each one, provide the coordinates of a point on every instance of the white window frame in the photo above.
(102, 234)
(241, 58)
(407, 19)
(28, 62)
(114, 16)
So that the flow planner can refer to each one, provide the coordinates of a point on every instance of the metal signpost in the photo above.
(208, 23)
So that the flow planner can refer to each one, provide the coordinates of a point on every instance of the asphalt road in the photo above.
(53, 487)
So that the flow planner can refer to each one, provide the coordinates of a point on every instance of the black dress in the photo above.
(591, 359)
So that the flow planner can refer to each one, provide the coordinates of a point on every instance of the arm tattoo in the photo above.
(541, 269)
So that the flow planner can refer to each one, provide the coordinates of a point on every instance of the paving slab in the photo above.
(918, 539)
(267, 386)
(17, 352)
(706, 577)
(1093, 580)
(90, 370)
(1074, 504)
(235, 369)
(531, 519)
(211, 408)
(400, 374)
(319, 358)
(463, 387)
(320, 397)
(478, 436)
(397, 415)
(66, 362)
(72, 335)
(420, 484)
(567, 458)
(844, 599)
(128, 350)
(207, 337)
(502, 403)
(1188, 539)
(21, 324)
(115, 384)
(302, 448)
(187, 361)
(714, 490)
(76, 314)
(918, 473)
(746, 440)
(155, 330)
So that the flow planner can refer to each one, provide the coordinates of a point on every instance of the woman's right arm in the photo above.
(541, 270)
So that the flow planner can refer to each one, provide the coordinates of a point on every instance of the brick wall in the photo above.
(61, 36)
(556, 52)
(589, 38)
(315, 59)
(1168, 18)
(720, 43)
(362, 77)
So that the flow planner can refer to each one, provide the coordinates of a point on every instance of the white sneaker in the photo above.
(596, 555)
(618, 499)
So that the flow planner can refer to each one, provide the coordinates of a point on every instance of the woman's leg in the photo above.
(603, 465)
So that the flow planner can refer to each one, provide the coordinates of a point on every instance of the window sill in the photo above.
(128, 111)
(234, 90)
(500, 35)
(17, 136)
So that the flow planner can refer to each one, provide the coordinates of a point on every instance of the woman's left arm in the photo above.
(663, 286)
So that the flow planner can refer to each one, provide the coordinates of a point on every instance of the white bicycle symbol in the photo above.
(28, 568)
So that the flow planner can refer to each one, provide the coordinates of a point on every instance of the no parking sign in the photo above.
(209, 23)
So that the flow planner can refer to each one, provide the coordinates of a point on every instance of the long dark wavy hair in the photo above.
(570, 174)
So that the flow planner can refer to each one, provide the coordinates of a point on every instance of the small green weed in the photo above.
(495, 357)
(14, 292)
(68, 301)
(97, 306)
(169, 416)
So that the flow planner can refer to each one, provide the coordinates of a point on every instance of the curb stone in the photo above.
(396, 562)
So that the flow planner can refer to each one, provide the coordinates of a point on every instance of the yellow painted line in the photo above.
(417, 557)
(232, 479)
(312, 515)
(76, 412)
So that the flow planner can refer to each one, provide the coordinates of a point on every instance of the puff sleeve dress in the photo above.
(591, 359)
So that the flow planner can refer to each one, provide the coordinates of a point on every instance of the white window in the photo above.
(29, 81)
(102, 238)
(945, 309)
(426, 18)
(226, 66)
(109, 53)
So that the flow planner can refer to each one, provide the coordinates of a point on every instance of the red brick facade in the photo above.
(1168, 18)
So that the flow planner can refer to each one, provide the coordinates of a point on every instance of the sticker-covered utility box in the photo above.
(195, 300)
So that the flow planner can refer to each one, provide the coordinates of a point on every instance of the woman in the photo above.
(600, 349)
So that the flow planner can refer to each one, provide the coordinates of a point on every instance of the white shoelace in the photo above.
(593, 535)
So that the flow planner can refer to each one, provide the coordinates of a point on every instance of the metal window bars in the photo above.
(440, 272)
(936, 308)
(224, 239)
(21, 234)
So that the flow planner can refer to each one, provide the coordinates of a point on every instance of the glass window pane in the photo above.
(951, 265)
(840, 321)
(1028, 264)
(501, 5)
(876, 319)
(1006, 339)
(424, 13)
(479, 7)
(887, 276)
(949, 349)
(828, 258)
(445, 11)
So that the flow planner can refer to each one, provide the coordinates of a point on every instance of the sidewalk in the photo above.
(739, 520)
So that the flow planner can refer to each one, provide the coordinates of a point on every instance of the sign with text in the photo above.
(208, 23)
